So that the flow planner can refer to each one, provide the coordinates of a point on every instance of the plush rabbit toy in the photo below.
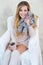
(23, 25)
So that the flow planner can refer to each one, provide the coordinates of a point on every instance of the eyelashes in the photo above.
(23, 10)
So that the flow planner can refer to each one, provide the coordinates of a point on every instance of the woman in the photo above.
(22, 29)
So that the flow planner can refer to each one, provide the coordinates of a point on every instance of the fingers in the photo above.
(27, 21)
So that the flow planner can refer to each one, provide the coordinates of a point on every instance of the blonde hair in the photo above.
(17, 17)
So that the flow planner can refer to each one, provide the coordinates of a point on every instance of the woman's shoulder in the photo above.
(10, 18)
(10, 21)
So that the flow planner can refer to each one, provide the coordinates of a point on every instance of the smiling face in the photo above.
(23, 11)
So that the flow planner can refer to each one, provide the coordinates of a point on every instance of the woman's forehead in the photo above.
(23, 7)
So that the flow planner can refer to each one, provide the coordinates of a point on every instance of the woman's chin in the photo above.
(22, 17)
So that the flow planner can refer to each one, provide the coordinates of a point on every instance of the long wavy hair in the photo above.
(17, 17)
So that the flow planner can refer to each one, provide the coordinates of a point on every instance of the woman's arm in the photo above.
(34, 47)
(5, 38)
(32, 31)
(3, 43)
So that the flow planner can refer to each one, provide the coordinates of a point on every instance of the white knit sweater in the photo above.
(34, 48)
(23, 39)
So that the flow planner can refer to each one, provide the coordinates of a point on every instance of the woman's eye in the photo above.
(25, 10)
(20, 10)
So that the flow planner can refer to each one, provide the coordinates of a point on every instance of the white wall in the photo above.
(8, 7)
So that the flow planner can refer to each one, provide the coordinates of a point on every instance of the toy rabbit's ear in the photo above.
(36, 17)
(36, 24)
(37, 20)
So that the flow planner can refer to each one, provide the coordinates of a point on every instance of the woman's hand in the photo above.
(11, 48)
(21, 48)
(27, 21)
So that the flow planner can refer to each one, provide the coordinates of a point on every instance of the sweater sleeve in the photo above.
(9, 23)
(33, 31)
(10, 28)
(5, 38)
(34, 48)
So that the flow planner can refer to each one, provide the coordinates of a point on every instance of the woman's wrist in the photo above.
(30, 26)
(8, 50)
